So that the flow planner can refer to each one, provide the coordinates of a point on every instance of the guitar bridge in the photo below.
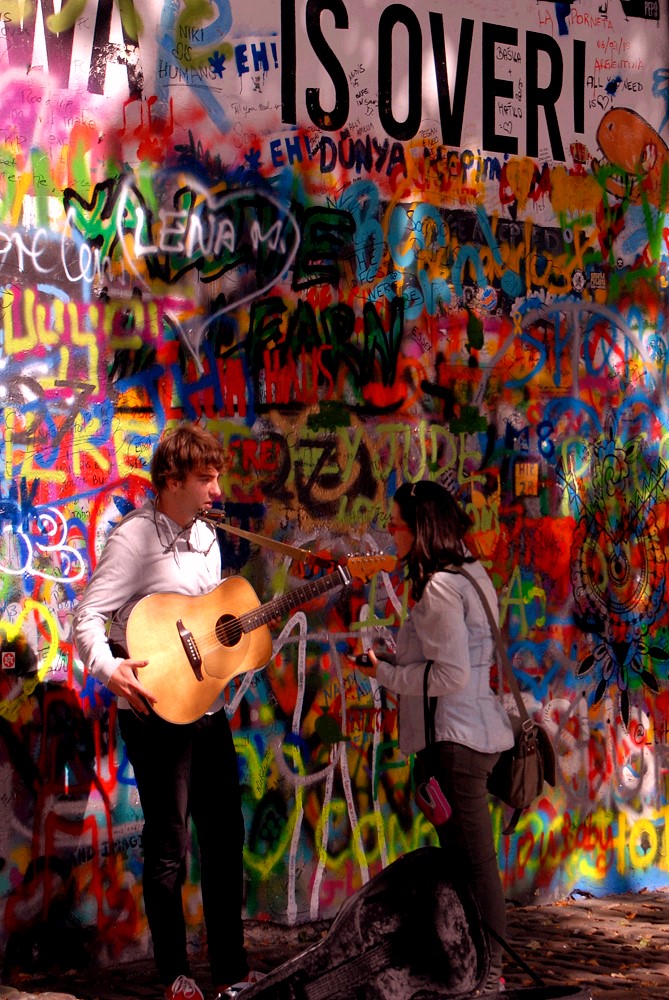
(190, 649)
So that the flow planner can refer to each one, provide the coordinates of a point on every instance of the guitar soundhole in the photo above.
(228, 630)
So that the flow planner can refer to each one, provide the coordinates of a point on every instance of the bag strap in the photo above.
(215, 517)
(499, 645)
(429, 708)
(520, 962)
(429, 712)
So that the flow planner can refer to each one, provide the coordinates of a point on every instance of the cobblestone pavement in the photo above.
(616, 946)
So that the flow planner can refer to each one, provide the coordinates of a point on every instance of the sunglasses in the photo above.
(394, 529)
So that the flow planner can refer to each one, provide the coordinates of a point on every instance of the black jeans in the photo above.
(182, 771)
(467, 837)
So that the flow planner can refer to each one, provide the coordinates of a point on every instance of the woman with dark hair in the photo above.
(448, 625)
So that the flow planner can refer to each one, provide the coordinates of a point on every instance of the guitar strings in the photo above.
(229, 633)
(224, 632)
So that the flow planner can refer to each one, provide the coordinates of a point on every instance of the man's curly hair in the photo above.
(185, 449)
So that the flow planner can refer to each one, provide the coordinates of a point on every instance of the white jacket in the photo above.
(449, 626)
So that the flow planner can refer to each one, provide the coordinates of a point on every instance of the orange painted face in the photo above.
(636, 157)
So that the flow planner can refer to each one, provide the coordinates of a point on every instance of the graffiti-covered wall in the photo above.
(364, 244)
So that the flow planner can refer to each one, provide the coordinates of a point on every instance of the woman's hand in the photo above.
(367, 663)
(384, 652)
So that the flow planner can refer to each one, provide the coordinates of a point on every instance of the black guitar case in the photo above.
(405, 935)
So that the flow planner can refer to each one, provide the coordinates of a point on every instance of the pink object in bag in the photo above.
(432, 802)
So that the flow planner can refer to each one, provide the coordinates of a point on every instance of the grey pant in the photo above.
(467, 838)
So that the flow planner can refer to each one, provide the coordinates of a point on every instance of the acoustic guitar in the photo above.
(196, 645)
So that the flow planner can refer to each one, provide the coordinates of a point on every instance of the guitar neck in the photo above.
(301, 595)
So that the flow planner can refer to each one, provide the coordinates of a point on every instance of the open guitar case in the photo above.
(407, 934)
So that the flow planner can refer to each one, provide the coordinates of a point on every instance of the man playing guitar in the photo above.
(165, 547)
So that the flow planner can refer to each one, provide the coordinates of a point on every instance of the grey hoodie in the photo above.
(145, 553)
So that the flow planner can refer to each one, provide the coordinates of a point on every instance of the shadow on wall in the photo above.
(47, 771)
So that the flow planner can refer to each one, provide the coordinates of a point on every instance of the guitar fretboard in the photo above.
(280, 605)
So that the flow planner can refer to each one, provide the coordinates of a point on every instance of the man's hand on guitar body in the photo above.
(125, 683)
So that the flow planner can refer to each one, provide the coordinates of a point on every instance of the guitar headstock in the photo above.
(364, 567)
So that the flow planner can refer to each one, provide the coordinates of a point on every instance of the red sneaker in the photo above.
(183, 988)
